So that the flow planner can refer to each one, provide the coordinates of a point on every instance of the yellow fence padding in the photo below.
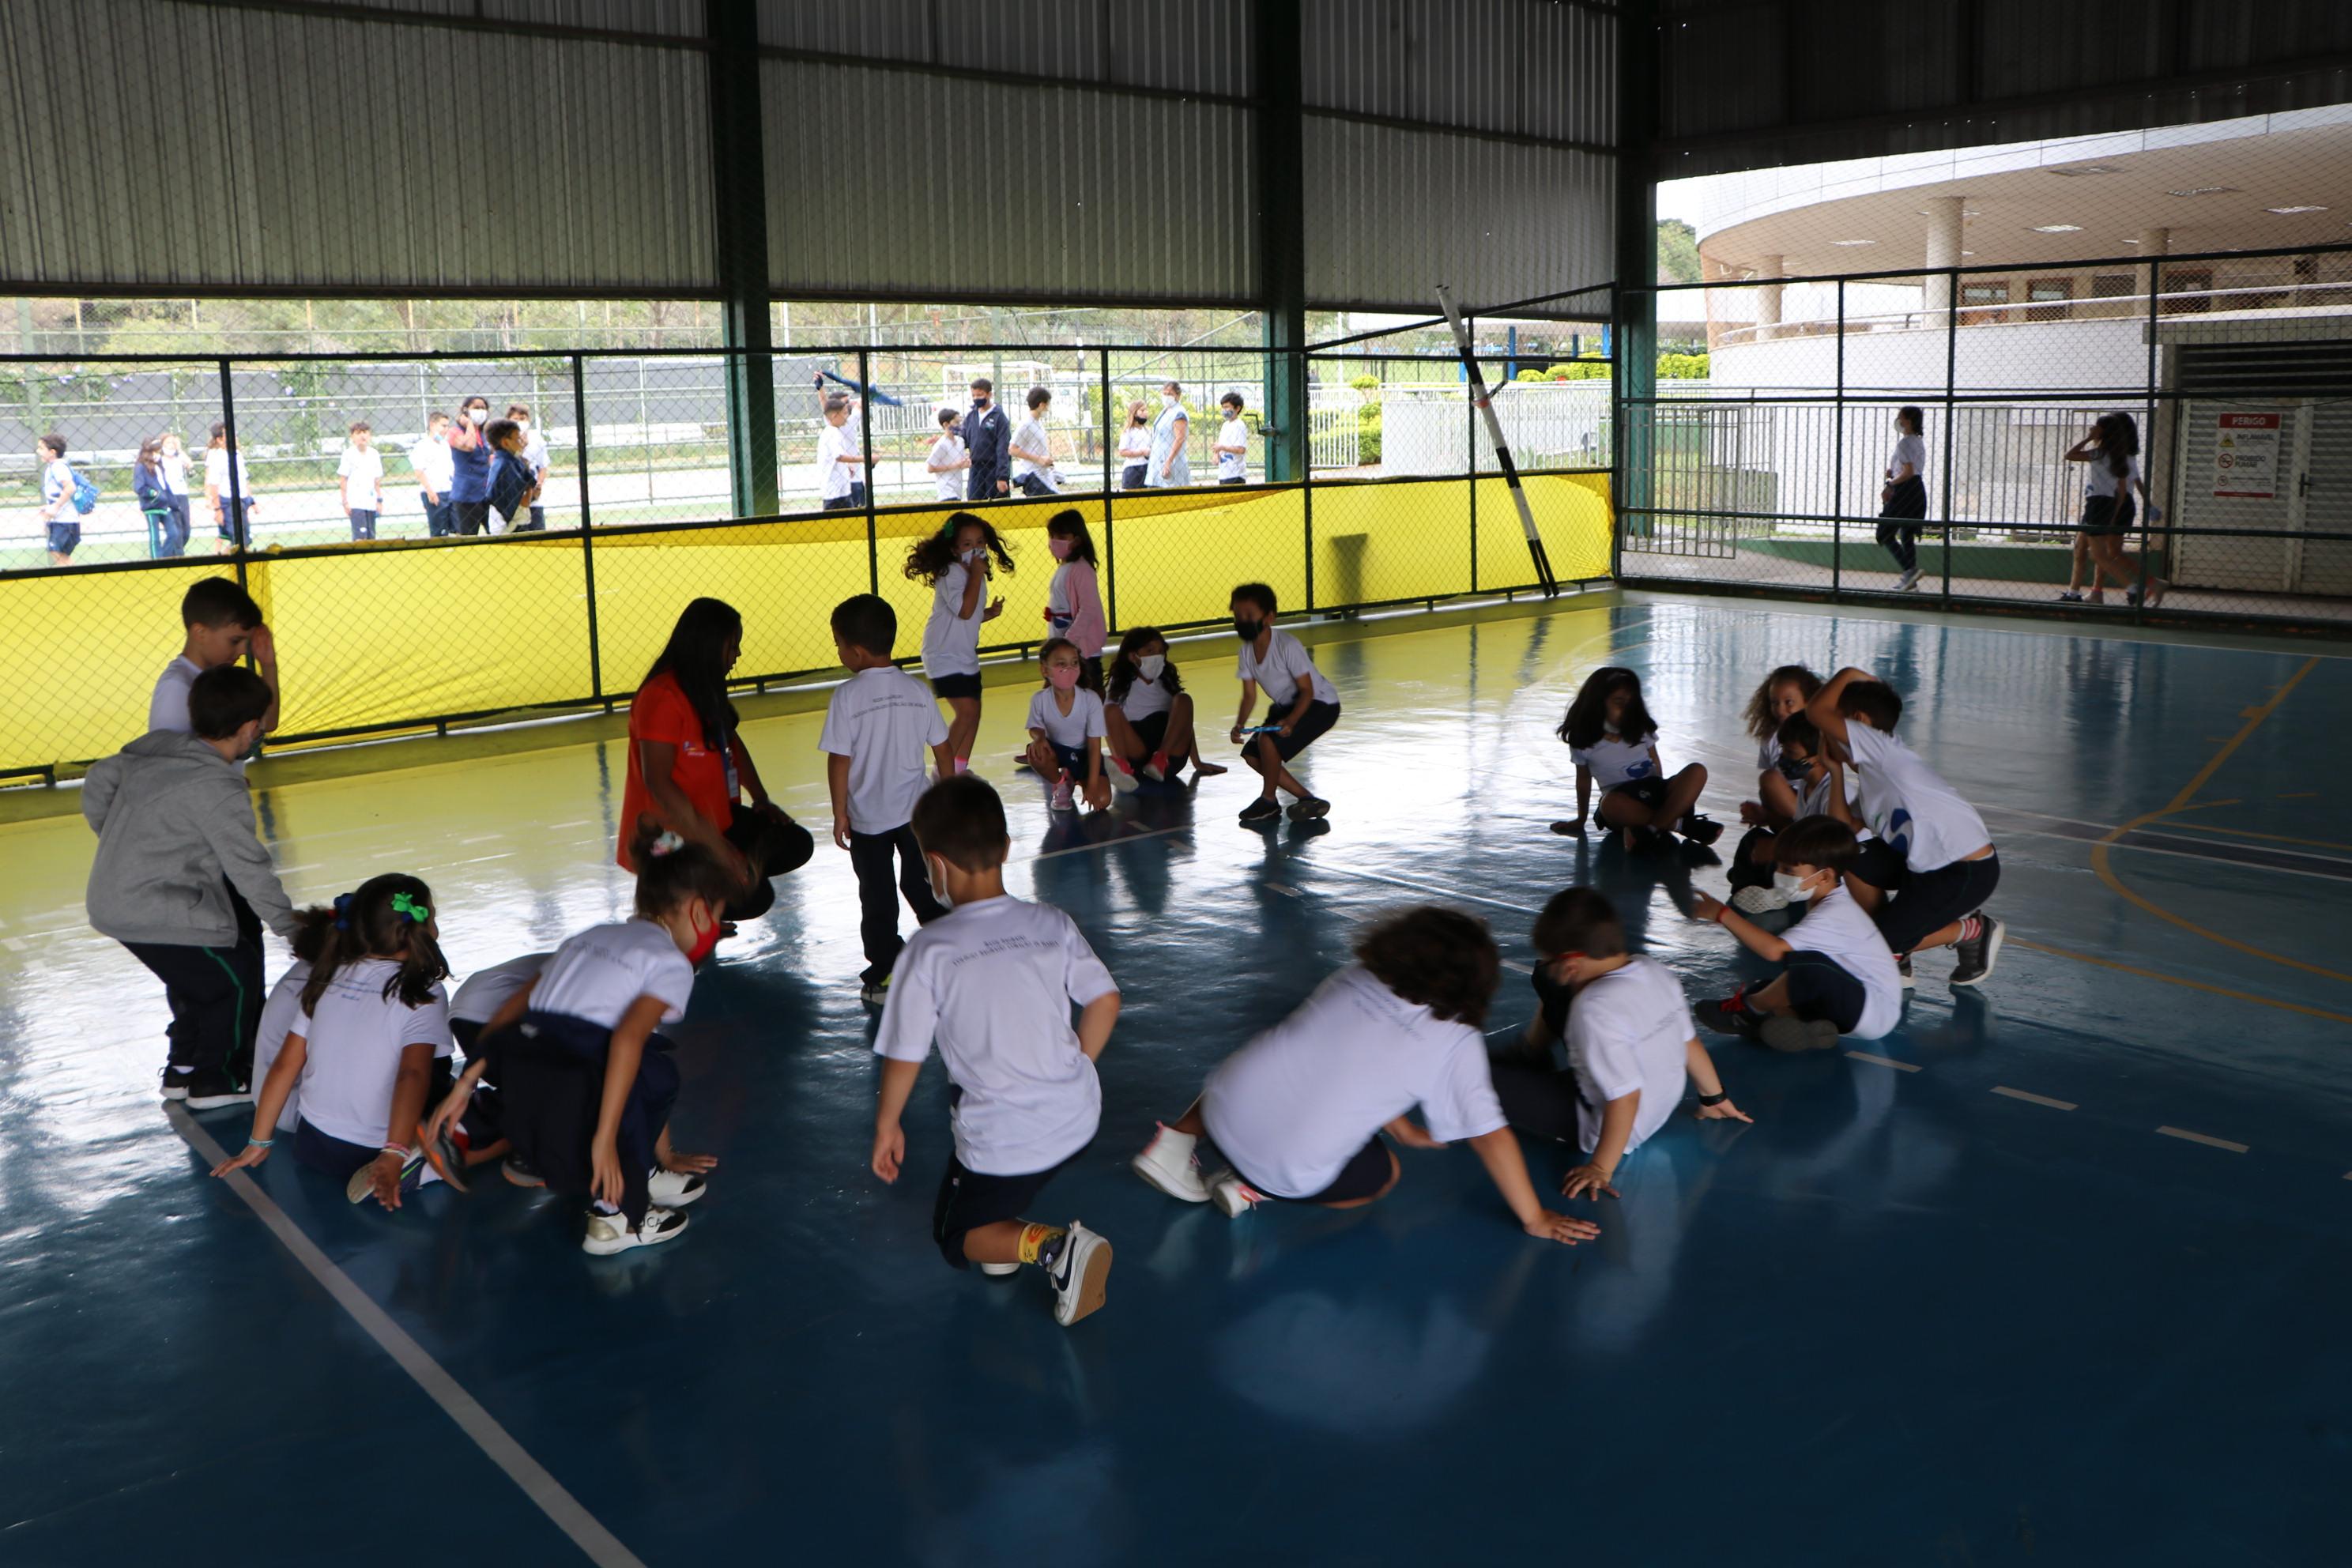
(395, 635)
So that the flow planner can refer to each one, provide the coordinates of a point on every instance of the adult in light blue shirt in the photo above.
(1171, 465)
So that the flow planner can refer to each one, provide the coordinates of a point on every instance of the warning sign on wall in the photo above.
(2246, 456)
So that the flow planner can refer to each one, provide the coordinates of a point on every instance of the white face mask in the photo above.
(935, 871)
(1150, 665)
(1608, 727)
(476, 415)
(1167, 400)
(1796, 888)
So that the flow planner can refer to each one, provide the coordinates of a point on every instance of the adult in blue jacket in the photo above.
(990, 435)
(469, 448)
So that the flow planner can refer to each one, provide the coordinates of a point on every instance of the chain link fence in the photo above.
(423, 615)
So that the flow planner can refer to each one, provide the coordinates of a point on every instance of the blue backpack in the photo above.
(85, 494)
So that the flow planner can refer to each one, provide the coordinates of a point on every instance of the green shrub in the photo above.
(1367, 382)
(1368, 435)
(1682, 367)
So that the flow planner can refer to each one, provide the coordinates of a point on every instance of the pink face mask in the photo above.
(1062, 676)
(1060, 547)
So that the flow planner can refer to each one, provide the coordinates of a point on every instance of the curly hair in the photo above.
(931, 556)
(1437, 958)
(1761, 721)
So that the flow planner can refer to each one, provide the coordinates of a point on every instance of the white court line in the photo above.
(562, 1510)
(1121, 838)
(479, 839)
(553, 826)
(1517, 968)
(2035, 1099)
(2205, 1138)
(1285, 888)
(1424, 888)
(1884, 1061)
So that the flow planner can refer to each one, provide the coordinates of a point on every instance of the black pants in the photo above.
(1820, 991)
(176, 525)
(216, 994)
(870, 855)
(1538, 1098)
(854, 501)
(363, 524)
(438, 522)
(1031, 485)
(553, 1067)
(468, 517)
(1896, 535)
(773, 848)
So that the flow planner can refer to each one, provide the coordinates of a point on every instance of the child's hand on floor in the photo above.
(889, 1151)
(1725, 1111)
(1098, 792)
(251, 1155)
(605, 1171)
(1590, 1181)
(1751, 813)
(1550, 1227)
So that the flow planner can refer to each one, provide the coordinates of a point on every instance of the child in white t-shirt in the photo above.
(359, 479)
(283, 1010)
(993, 982)
(1299, 1111)
(841, 464)
(1615, 741)
(955, 564)
(374, 1019)
(1837, 975)
(1629, 1046)
(877, 727)
(1065, 729)
(1780, 695)
(484, 996)
(950, 460)
(1232, 445)
(586, 1081)
(1302, 706)
(1148, 714)
(1926, 875)
(1034, 473)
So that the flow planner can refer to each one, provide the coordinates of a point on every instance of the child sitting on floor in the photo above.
(1837, 975)
(471, 1007)
(283, 1010)
(1783, 692)
(992, 981)
(1610, 733)
(1299, 1110)
(1148, 714)
(1816, 786)
(586, 1083)
(1065, 730)
(375, 1021)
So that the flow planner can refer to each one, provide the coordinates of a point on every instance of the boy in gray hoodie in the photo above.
(175, 834)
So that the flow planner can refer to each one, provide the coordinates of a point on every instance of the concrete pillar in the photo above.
(2153, 243)
(1943, 251)
(1768, 297)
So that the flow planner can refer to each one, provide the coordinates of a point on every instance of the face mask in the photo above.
(936, 870)
(1167, 400)
(704, 940)
(974, 556)
(1150, 665)
(476, 415)
(1794, 769)
(1062, 677)
(1247, 629)
(1608, 727)
(1793, 886)
(1060, 547)
(980, 400)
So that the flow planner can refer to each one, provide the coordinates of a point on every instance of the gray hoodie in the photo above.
(173, 818)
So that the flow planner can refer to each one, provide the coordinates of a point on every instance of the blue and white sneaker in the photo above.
(1079, 1273)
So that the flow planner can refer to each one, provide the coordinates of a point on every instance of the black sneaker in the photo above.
(1701, 829)
(2070, 598)
(1794, 1035)
(1309, 808)
(1259, 810)
(521, 1173)
(175, 1083)
(1903, 970)
(1730, 1016)
(1978, 955)
(209, 1089)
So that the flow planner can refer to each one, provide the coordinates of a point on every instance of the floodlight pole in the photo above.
(1485, 403)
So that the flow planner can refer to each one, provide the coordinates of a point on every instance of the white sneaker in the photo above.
(611, 1233)
(1233, 1195)
(674, 1189)
(1061, 801)
(1907, 582)
(1169, 1163)
(1760, 900)
(1122, 776)
(999, 1270)
(1080, 1276)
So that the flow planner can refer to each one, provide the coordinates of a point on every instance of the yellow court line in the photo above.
(2254, 718)
(2273, 837)
(2180, 980)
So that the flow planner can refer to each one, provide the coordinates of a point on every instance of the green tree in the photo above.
(1677, 252)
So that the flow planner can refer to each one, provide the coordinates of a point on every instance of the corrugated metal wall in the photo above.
(1188, 46)
(1753, 83)
(897, 185)
(653, 18)
(184, 147)
(1518, 66)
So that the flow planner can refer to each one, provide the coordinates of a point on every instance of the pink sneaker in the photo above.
(1062, 801)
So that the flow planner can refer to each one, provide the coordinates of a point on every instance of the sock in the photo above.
(600, 1206)
(1971, 928)
(1039, 1244)
(964, 764)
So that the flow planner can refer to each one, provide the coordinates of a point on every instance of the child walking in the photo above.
(1066, 731)
(877, 727)
(586, 1082)
(2110, 455)
(1299, 1110)
(1134, 448)
(1926, 876)
(955, 564)
(222, 625)
(1902, 498)
(177, 848)
(1608, 731)
(1148, 714)
(1302, 706)
(373, 1023)
(993, 982)
(949, 458)
(1074, 607)
(1837, 976)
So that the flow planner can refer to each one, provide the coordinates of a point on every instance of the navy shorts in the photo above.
(1922, 902)
(970, 1199)
(1649, 792)
(2107, 514)
(64, 537)
(1318, 718)
(948, 686)
(1366, 1174)
(1822, 990)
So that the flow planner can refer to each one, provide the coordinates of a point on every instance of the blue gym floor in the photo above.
(1958, 1300)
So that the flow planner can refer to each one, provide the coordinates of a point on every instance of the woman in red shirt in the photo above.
(689, 770)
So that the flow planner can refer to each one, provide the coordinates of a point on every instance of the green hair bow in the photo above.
(416, 910)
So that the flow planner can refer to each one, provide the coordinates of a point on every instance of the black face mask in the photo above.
(1794, 769)
(1247, 629)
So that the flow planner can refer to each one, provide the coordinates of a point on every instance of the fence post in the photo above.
(866, 450)
(1471, 322)
(1837, 461)
(238, 534)
(2148, 422)
(1951, 373)
(1110, 547)
(587, 518)
(1307, 478)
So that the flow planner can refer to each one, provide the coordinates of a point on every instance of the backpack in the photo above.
(85, 494)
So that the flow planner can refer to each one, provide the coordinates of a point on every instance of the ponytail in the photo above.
(385, 916)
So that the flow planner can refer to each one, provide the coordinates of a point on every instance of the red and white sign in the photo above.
(2245, 456)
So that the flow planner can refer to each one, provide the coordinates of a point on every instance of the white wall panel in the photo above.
(280, 150)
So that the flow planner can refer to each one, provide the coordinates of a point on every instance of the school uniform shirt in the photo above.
(364, 474)
(1069, 731)
(1908, 804)
(1134, 445)
(355, 1035)
(486, 991)
(951, 643)
(1285, 666)
(1629, 1030)
(1145, 698)
(946, 479)
(219, 463)
(168, 708)
(58, 489)
(1292, 1107)
(175, 473)
(1232, 464)
(991, 983)
(534, 453)
(278, 1018)
(703, 771)
(882, 720)
(2099, 479)
(1911, 449)
(1613, 759)
(435, 468)
(1837, 928)
(1031, 436)
(596, 975)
